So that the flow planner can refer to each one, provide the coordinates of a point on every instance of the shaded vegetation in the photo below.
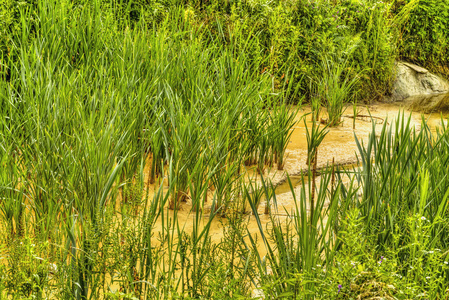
(425, 39)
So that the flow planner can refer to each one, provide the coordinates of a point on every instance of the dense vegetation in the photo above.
(114, 112)
(290, 35)
(426, 38)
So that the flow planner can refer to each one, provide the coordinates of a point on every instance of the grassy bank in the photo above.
(290, 38)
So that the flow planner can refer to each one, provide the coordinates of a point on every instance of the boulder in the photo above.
(413, 80)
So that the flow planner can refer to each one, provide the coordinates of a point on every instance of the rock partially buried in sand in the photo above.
(413, 80)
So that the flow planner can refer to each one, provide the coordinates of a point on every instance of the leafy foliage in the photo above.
(96, 97)
(425, 38)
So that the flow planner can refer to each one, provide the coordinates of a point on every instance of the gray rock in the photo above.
(415, 68)
(412, 80)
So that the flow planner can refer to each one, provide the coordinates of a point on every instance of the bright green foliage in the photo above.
(425, 39)
(336, 87)
(96, 90)
(88, 101)
(385, 234)
(279, 36)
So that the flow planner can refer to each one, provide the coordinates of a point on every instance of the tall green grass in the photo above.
(86, 106)
(91, 101)
(336, 86)
(384, 232)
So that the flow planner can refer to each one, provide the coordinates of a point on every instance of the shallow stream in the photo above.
(338, 146)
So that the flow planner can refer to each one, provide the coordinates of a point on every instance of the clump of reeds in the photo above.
(89, 102)
(336, 86)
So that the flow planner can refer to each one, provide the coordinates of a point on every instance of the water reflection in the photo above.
(438, 103)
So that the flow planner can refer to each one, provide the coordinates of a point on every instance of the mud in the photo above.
(339, 146)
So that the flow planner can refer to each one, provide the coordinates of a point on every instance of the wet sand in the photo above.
(339, 146)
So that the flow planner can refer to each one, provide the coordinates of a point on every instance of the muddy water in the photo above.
(339, 146)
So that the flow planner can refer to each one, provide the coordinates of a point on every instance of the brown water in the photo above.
(339, 146)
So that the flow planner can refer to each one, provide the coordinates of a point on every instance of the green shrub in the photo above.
(425, 39)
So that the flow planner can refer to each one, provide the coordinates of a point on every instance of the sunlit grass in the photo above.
(90, 102)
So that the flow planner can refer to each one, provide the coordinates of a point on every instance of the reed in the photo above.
(314, 138)
(336, 87)
(90, 99)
